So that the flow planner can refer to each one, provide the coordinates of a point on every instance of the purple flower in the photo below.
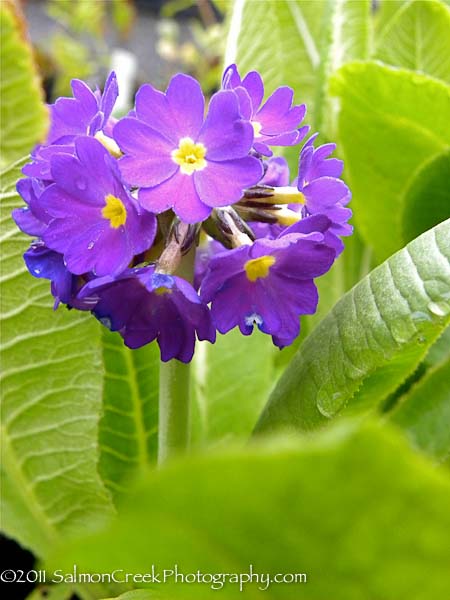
(181, 160)
(324, 192)
(276, 173)
(30, 219)
(144, 305)
(44, 263)
(275, 123)
(269, 283)
(87, 113)
(92, 219)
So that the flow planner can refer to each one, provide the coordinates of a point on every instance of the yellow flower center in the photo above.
(115, 211)
(190, 156)
(257, 128)
(258, 268)
(160, 291)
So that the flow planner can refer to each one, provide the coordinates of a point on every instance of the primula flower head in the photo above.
(114, 219)
(319, 181)
(144, 305)
(93, 220)
(181, 160)
(275, 122)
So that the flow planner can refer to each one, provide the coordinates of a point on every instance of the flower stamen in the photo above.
(258, 268)
(115, 211)
(189, 155)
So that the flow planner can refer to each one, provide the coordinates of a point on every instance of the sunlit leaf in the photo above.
(51, 401)
(373, 338)
(391, 122)
(417, 37)
(23, 115)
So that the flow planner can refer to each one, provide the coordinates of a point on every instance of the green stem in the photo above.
(174, 392)
(173, 434)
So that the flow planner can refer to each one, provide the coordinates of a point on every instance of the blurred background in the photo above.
(143, 40)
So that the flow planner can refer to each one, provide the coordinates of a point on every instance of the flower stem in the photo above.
(173, 434)
(174, 392)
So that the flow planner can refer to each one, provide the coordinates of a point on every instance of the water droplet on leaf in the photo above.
(440, 309)
(329, 404)
(402, 330)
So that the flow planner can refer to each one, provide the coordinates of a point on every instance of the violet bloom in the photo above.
(30, 219)
(44, 263)
(143, 306)
(87, 113)
(181, 160)
(323, 190)
(270, 282)
(276, 122)
(92, 219)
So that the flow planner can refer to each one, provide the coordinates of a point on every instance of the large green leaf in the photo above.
(128, 434)
(373, 338)
(232, 380)
(427, 198)
(51, 401)
(355, 510)
(298, 43)
(391, 122)
(417, 37)
(23, 115)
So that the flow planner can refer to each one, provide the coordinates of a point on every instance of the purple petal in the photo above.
(224, 133)
(253, 83)
(148, 162)
(99, 249)
(325, 192)
(153, 108)
(178, 193)
(109, 96)
(231, 78)
(222, 183)
(187, 104)
(276, 115)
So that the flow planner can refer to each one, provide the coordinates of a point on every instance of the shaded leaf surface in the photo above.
(200, 513)
(128, 435)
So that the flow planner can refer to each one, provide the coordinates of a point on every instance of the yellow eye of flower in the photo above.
(115, 211)
(257, 128)
(190, 156)
(161, 291)
(258, 268)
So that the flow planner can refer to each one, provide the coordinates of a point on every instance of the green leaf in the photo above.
(424, 412)
(391, 122)
(298, 43)
(232, 381)
(354, 509)
(128, 434)
(374, 337)
(427, 198)
(417, 37)
(51, 389)
(23, 115)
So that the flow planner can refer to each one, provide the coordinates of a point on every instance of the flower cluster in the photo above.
(171, 224)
